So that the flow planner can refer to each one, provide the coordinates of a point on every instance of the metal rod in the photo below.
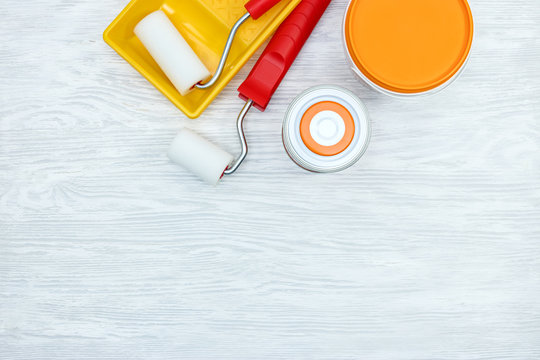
(225, 54)
(243, 143)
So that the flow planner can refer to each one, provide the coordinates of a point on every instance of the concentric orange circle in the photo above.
(309, 141)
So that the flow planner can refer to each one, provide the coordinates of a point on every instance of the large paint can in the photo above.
(408, 47)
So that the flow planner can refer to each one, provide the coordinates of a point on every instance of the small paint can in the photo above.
(409, 47)
(326, 129)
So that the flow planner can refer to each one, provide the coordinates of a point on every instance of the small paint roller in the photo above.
(174, 55)
(202, 157)
(199, 156)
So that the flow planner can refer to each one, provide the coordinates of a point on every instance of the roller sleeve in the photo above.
(199, 156)
(170, 51)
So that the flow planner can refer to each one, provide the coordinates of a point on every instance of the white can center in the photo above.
(327, 128)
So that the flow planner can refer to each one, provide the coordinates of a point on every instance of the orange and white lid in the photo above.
(326, 129)
(408, 46)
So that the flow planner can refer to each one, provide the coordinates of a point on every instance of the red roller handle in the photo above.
(257, 8)
(280, 53)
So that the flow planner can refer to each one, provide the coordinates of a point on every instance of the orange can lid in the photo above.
(327, 128)
(409, 46)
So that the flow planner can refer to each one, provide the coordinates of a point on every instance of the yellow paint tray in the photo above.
(205, 24)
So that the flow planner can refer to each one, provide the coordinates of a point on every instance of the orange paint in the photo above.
(314, 146)
(409, 46)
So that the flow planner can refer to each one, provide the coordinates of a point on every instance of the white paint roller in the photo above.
(172, 53)
(199, 156)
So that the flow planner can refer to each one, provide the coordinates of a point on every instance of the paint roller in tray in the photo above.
(208, 161)
(174, 55)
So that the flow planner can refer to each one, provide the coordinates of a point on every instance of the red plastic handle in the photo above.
(280, 53)
(257, 8)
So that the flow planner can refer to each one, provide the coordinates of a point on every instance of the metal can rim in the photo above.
(361, 144)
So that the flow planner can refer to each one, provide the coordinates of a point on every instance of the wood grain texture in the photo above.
(428, 248)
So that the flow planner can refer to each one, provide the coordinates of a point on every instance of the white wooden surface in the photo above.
(428, 248)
